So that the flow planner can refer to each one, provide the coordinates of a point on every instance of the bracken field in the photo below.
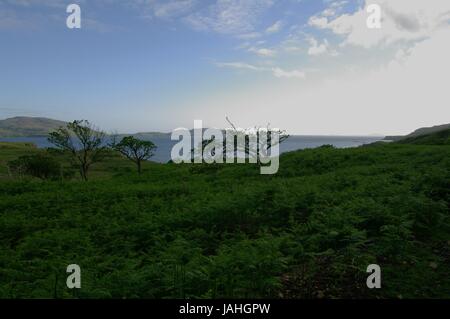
(225, 231)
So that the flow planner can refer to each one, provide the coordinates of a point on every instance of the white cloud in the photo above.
(409, 92)
(47, 3)
(317, 48)
(275, 28)
(263, 52)
(292, 49)
(249, 36)
(275, 71)
(294, 74)
(174, 8)
(230, 16)
(237, 65)
(318, 22)
(402, 20)
(321, 20)
(334, 8)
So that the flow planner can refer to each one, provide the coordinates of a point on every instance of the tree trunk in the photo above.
(139, 167)
(84, 173)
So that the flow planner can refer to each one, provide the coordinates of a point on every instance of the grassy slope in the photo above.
(226, 231)
(429, 130)
(436, 138)
(419, 133)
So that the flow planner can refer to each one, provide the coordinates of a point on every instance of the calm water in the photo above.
(293, 143)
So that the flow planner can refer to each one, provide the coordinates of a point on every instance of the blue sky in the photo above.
(148, 65)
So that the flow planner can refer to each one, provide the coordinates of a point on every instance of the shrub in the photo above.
(38, 165)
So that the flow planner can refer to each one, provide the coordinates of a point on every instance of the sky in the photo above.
(310, 67)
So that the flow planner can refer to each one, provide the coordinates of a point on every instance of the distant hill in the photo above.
(28, 126)
(40, 126)
(441, 137)
(149, 135)
(419, 132)
(428, 130)
(393, 138)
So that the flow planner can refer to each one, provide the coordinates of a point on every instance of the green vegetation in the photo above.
(214, 231)
(40, 165)
(421, 132)
(436, 138)
(10, 152)
(429, 130)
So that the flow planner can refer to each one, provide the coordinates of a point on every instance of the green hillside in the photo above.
(419, 132)
(28, 126)
(429, 130)
(441, 137)
(225, 231)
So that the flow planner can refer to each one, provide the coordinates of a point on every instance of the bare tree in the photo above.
(244, 142)
(256, 134)
(83, 141)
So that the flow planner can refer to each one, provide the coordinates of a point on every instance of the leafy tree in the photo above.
(85, 143)
(135, 150)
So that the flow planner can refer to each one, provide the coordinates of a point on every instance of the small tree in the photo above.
(135, 150)
(85, 143)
